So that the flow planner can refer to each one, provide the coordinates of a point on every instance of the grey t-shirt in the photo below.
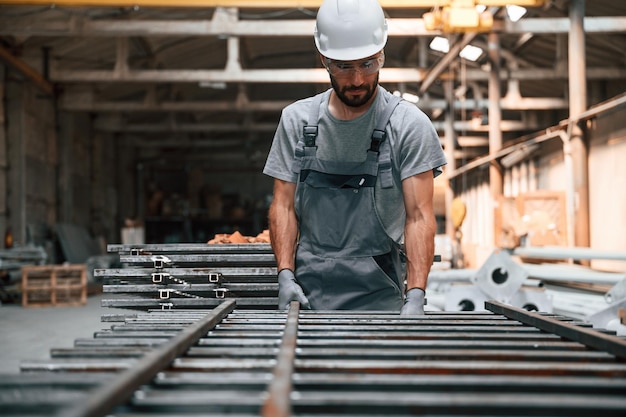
(415, 148)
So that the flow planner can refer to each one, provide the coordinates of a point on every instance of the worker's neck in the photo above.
(342, 111)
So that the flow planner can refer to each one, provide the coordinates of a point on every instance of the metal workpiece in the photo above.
(572, 273)
(609, 318)
(196, 289)
(564, 253)
(593, 339)
(500, 277)
(191, 276)
(187, 352)
(617, 292)
(187, 248)
(184, 302)
(103, 400)
(268, 362)
(216, 259)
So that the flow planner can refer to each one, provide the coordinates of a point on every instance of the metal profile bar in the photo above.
(577, 253)
(102, 401)
(458, 404)
(252, 288)
(145, 303)
(188, 248)
(384, 382)
(397, 344)
(588, 337)
(391, 353)
(277, 403)
(261, 259)
(506, 367)
(203, 274)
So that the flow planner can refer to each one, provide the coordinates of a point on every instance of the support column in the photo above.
(577, 105)
(449, 148)
(3, 156)
(66, 185)
(16, 167)
(495, 133)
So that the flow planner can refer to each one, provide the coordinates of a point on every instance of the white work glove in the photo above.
(289, 290)
(413, 302)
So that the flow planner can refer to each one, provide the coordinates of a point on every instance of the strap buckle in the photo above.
(378, 137)
(309, 133)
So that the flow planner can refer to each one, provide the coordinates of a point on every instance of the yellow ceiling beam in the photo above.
(256, 3)
(262, 4)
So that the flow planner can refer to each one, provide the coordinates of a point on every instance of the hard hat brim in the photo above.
(350, 54)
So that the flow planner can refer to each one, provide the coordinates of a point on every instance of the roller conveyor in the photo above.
(225, 359)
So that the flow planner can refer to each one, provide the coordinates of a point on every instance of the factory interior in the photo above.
(133, 137)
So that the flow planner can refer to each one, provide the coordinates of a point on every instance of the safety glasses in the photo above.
(364, 67)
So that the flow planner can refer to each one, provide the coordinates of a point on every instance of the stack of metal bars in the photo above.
(246, 362)
(223, 359)
(191, 276)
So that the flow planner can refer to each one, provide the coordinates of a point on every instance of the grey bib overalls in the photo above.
(344, 258)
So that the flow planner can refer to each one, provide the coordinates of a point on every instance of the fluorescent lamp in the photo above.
(514, 12)
(440, 44)
(471, 53)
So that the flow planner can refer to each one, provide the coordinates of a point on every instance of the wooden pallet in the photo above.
(54, 285)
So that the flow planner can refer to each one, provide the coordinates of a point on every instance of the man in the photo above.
(353, 171)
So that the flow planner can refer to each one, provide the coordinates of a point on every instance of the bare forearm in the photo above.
(419, 241)
(420, 228)
(283, 232)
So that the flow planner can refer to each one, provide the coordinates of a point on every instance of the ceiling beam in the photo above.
(111, 125)
(265, 4)
(86, 102)
(271, 76)
(304, 75)
(398, 27)
(598, 24)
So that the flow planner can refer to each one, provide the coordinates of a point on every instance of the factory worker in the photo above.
(353, 171)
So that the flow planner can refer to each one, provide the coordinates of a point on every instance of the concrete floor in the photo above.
(29, 333)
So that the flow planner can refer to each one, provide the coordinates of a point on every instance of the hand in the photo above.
(414, 302)
(289, 290)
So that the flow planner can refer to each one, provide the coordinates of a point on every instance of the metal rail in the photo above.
(278, 402)
(340, 363)
(608, 343)
(101, 402)
(164, 248)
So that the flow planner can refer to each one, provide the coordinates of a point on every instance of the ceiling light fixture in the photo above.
(514, 12)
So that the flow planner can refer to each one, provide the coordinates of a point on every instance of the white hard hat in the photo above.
(347, 30)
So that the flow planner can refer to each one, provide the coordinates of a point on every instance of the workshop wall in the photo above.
(535, 196)
(32, 159)
(607, 196)
(52, 169)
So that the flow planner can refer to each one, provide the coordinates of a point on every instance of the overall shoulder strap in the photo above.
(309, 133)
(378, 137)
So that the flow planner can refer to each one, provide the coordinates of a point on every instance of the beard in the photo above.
(354, 101)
